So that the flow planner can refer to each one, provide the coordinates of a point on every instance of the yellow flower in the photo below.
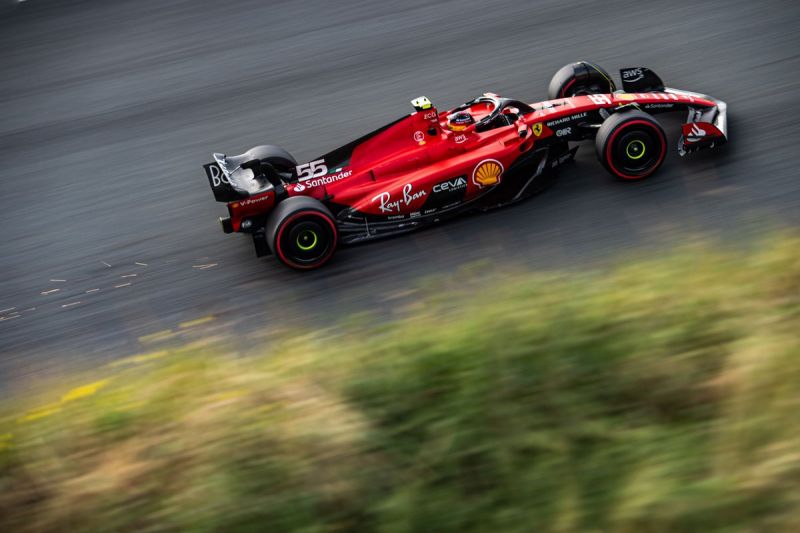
(82, 392)
(41, 412)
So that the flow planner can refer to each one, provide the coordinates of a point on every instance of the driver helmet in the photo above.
(459, 121)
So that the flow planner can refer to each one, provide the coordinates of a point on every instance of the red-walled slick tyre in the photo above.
(580, 78)
(302, 234)
(631, 145)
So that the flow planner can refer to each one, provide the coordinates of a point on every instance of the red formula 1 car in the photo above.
(428, 166)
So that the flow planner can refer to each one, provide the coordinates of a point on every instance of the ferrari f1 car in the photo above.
(429, 165)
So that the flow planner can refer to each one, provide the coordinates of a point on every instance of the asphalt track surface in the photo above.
(109, 109)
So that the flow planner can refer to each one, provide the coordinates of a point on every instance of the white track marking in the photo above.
(58, 280)
(9, 309)
(128, 276)
(45, 293)
(70, 304)
(140, 264)
(92, 290)
(120, 286)
(106, 264)
(203, 267)
(9, 317)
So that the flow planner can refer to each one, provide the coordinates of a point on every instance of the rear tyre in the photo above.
(631, 145)
(578, 79)
(302, 234)
(281, 160)
(270, 151)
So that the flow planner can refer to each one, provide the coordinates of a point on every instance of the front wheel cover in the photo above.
(632, 149)
(305, 239)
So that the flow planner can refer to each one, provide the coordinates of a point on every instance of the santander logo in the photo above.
(696, 133)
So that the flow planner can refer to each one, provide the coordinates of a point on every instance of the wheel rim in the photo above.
(307, 240)
(637, 151)
(573, 89)
(586, 90)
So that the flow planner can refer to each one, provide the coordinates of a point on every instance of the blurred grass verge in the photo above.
(662, 396)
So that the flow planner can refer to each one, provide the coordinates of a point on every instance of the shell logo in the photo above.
(487, 173)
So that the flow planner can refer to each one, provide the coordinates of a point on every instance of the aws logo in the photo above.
(487, 173)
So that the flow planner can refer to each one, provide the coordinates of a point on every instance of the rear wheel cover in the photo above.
(306, 239)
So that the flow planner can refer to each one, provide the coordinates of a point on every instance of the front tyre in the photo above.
(631, 145)
(302, 234)
(578, 79)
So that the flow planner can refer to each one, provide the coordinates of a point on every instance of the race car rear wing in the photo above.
(237, 177)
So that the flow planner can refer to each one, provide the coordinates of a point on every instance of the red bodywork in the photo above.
(394, 173)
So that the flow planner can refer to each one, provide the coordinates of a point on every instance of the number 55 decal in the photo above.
(314, 169)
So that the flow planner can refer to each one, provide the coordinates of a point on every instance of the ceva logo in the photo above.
(451, 185)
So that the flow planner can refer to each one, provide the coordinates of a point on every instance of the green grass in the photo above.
(660, 396)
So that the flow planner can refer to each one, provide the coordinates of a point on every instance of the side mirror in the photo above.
(522, 129)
